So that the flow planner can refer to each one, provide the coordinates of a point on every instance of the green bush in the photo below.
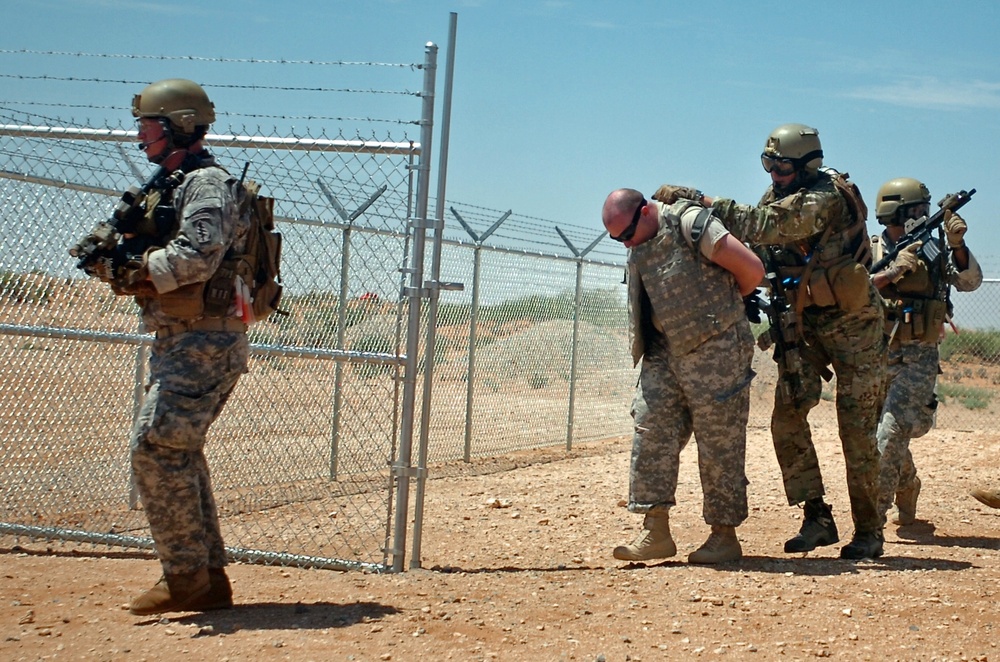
(20, 288)
(971, 346)
(970, 397)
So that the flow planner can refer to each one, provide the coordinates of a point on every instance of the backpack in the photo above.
(852, 195)
(259, 267)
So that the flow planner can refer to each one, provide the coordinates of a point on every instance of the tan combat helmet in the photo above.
(897, 194)
(183, 102)
(797, 142)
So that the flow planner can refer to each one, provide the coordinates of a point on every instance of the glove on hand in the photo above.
(751, 303)
(954, 228)
(139, 289)
(906, 262)
(669, 194)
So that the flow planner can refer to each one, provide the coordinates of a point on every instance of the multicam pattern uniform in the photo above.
(191, 376)
(695, 377)
(853, 341)
(914, 365)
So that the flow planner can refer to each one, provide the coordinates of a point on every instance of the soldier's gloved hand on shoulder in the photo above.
(669, 194)
(906, 262)
(955, 228)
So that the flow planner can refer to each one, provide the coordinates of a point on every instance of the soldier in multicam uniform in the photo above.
(688, 324)
(804, 218)
(197, 356)
(918, 304)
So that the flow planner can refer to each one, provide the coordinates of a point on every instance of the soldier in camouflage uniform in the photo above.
(689, 327)
(804, 218)
(918, 303)
(198, 353)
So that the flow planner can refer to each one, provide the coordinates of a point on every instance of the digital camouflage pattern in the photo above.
(208, 225)
(699, 387)
(914, 363)
(854, 342)
(191, 376)
(908, 413)
(692, 299)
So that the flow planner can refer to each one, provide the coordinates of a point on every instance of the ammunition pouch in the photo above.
(219, 289)
(842, 283)
(186, 302)
(916, 320)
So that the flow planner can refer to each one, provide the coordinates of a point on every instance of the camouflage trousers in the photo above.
(706, 393)
(190, 378)
(908, 413)
(855, 345)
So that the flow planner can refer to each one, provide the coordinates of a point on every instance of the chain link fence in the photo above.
(311, 459)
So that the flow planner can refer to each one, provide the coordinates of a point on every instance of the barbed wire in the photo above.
(196, 58)
(128, 109)
(277, 88)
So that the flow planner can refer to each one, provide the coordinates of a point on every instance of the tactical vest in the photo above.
(194, 300)
(831, 268)
(692, 298)
(915, 308)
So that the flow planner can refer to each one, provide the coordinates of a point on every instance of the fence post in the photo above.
(402, 469)
(477, 259)
(576, 328)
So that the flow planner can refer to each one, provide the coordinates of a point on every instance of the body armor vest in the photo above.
(916, 306)
(691, 298)
(838, 258)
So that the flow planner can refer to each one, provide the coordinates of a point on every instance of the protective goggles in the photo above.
(629, 232)
(783, 167)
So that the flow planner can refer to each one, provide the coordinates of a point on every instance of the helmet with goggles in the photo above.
(792, 148)
(897, 196)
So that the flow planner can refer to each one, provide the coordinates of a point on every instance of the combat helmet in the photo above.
(183, 103)
(797, 143)
(896, 195)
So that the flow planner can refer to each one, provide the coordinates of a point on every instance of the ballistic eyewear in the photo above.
(629, 232)
(783, 167)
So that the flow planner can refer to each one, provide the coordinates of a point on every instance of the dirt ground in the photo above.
(516, 565)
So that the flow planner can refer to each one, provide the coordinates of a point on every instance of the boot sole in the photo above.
(623, 554)
(852, 556)
(790, 549)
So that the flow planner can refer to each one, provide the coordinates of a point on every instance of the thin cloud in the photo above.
(933, 93)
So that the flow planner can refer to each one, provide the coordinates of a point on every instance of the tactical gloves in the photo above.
(906, 262)
(669, 194)
(751, 303)
(954, 228)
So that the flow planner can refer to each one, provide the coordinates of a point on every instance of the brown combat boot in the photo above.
(986, 497)
(722, 546)
(906, 504)
(173, 593)
(220, 592)
(654, 542)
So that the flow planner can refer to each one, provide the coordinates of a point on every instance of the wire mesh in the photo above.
(533, 352)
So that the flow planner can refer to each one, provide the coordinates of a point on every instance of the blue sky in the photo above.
(557, 102)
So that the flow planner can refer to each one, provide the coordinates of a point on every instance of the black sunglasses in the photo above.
(629, 232)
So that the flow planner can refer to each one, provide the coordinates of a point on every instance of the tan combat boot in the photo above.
(722, 546)
(654, 542)
(986, 497)
(906, 504)
(173, 593)
(220, 592)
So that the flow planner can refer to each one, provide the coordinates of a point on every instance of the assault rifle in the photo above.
(785, 334)
(920, 229)
(127, 219)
